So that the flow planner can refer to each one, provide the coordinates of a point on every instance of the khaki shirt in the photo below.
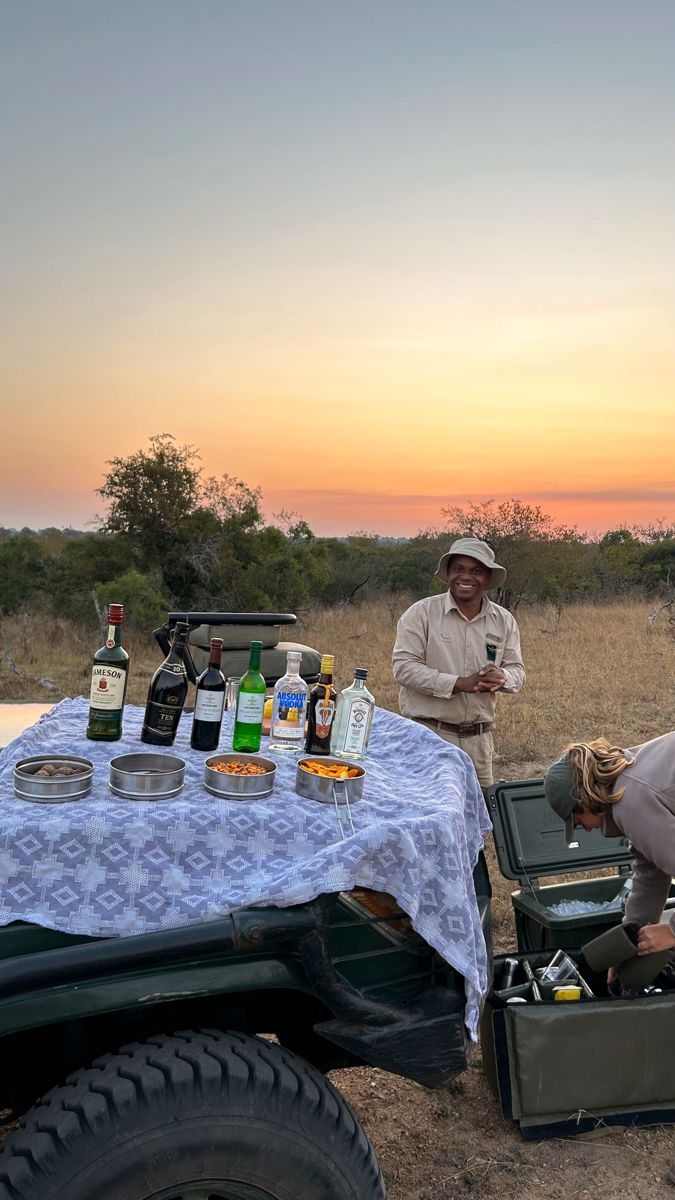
(436, 644)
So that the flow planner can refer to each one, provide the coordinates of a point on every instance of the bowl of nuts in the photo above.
(53, 778)
(239, 776)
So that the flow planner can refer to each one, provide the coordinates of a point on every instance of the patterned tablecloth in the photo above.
(110, 867)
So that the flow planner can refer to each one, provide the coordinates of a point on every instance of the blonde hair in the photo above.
(596, 766)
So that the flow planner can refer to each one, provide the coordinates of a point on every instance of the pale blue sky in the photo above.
(209, 205)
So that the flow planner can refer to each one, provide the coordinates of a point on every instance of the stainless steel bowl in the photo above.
(327, 790)
(57, 789)
(239, 787)
(146, 776)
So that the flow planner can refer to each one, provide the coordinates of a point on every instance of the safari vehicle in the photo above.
(148, 1077)
(190, 1064)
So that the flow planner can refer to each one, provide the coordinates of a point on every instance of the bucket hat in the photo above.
(472, 548)
(558, 792)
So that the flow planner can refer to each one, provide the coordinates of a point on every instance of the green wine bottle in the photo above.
(250, 704)
(109, 683)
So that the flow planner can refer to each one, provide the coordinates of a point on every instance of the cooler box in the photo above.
(562, 1067)
(559, 1069)
(530, 844)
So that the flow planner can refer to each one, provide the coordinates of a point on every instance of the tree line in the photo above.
(172, 538)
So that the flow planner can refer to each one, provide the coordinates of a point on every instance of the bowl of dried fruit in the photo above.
(53, 778)
(239, 776)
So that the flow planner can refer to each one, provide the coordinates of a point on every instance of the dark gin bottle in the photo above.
(109, 677)
(209, 702)
(248, 718)
(167, 693)
(321, 709)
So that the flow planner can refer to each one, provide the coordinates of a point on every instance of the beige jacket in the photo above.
(436, 644)
(645, 814)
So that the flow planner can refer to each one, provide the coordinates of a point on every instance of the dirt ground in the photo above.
(452, 1143)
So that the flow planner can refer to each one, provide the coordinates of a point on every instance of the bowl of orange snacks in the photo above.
(329, 780)
(239, 776)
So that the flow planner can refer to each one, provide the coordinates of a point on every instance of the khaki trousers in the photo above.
(480, 750)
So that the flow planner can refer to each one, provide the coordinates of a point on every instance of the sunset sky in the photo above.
(372, 256)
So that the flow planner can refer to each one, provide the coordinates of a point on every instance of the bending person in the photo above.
(631, 793)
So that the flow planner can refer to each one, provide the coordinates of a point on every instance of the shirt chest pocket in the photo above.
(494, 648)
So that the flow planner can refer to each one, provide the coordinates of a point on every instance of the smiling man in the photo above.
(455, 651)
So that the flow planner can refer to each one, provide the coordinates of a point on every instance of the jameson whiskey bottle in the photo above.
(321, 709)
(287, 727)
(353, 719)
(109, 683)
(248, 718)
(209, 702)
(167, 693)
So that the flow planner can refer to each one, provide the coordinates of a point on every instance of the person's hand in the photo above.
(468, 683)
(490, 678)
(611, 976)
(652, 938)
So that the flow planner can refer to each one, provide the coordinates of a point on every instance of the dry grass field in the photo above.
(590, 671)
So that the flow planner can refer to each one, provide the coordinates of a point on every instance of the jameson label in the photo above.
(356, 728)
(324, 713)
(107, 688)
(250, 708)
(209, 706)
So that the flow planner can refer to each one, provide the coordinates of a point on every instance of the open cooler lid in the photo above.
(530, 838)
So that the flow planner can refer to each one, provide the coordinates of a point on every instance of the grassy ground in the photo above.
(590, 671)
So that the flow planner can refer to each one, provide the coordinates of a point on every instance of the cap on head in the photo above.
(472, 548)
(558, 792)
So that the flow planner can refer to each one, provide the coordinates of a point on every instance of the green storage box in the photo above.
(530, 844)
(559, 1069)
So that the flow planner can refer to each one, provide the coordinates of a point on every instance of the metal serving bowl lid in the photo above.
(53, 789)
(239, 787)
(147, 776)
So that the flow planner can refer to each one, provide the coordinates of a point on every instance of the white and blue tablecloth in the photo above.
(109, 867)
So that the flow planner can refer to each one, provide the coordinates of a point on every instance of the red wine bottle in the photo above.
(209, 702)
(167, 693)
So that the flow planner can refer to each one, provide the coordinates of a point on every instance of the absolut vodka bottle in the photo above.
(289, 705)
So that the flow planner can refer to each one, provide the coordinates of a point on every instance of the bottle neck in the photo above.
(177, 650)
(359, 684)
(215, 655)
(114, 637)
(254, 659)
(325, 679)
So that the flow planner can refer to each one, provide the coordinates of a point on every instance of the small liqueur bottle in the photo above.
(321, 709)
(353, 719)
(209, 702)
(109, 677)
(167, 692)
(248, 718)
(289, 704)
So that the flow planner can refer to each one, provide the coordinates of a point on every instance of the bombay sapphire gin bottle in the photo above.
(289, 705)
(353, 719)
